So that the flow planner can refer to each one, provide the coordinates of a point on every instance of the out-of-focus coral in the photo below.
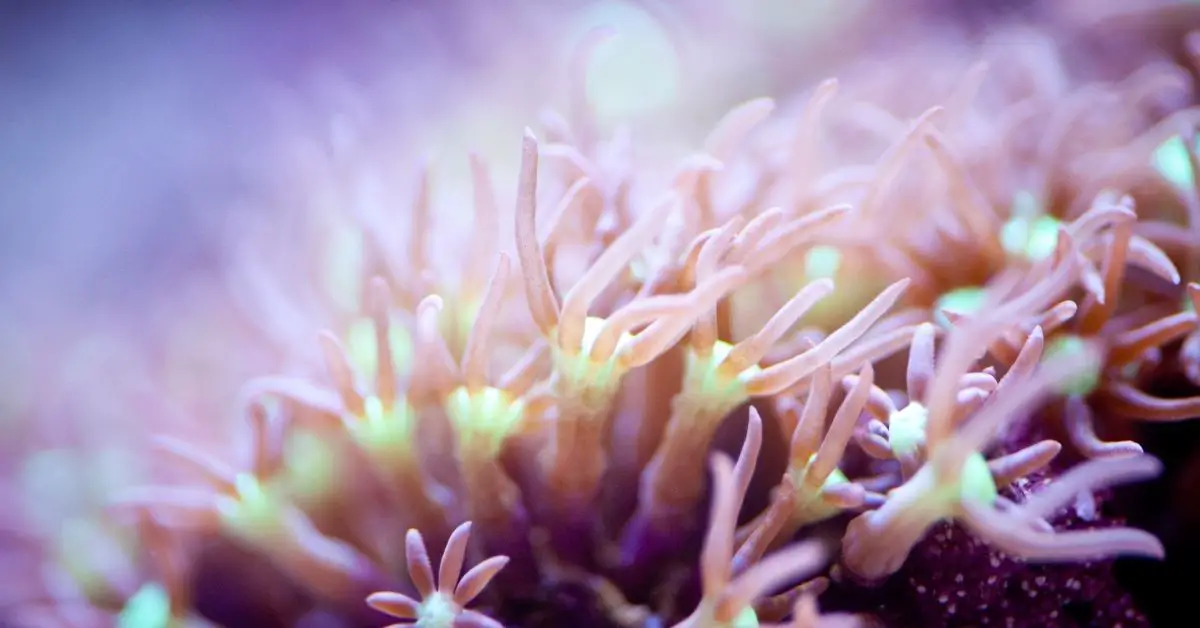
(975, 247)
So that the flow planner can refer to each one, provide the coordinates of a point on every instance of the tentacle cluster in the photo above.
(641, 320)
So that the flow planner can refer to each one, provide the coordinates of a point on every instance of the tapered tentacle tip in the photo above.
(1151, 547)
(1148, 466)
(396, 605)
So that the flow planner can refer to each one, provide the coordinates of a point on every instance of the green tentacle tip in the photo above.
(1031, 237)
(253, 512)
(822, 262)
(746, 619)
(810, 505)
(387, 429)
(580, 370)
(906, 429)
(150, 607)
(438, 611)
(1172, 162)
(1071, 345)
(706, 377)
(977, 482)
(361, 346)
(967, 300)
(485, 418)
(311, 465)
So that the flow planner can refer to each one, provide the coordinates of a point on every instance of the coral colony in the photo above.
(553, 421)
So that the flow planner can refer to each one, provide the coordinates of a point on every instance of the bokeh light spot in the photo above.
(637, 71)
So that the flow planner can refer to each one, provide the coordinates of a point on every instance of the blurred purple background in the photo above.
(128, 131)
